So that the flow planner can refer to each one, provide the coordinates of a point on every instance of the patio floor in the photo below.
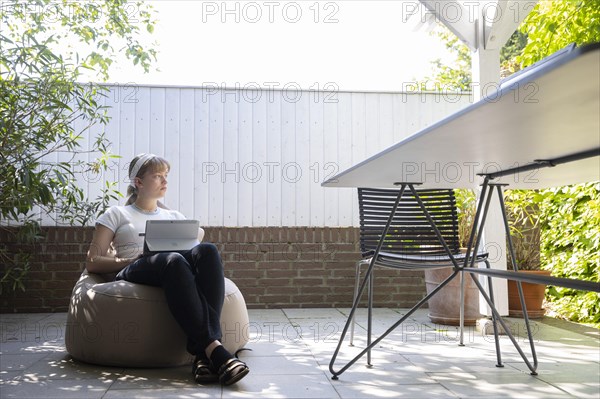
(289, 358)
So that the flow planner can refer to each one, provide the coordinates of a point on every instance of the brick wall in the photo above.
(274, 267)
(55, 265)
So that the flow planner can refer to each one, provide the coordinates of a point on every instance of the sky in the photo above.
(357, 45)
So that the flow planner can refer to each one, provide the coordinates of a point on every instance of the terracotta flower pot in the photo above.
(532, 293)
(444, 307)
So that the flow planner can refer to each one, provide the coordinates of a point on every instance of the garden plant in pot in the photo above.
(444, 308)
(525, 231)
(523, 214)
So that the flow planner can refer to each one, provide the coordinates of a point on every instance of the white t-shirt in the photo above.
(127, 222)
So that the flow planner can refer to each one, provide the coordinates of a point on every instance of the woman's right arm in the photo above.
(97, 259)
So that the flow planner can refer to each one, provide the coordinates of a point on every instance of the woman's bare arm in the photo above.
(98, 260)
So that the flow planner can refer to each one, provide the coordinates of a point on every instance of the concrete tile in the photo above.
(282, 386)
(415, 391)
(503, 383)
(378, 356)
(580, 390)
(60, 366)
(315, 331)
(381, 316)
(541, 331)
(21, 348)
(431, 363)
(160, 378)
(266, 315)
(291, 351)
(283, 331)
(179, 393)
(81, 389)
(33, 329)
(277, 365)
(450, 351)
(10, 377)
(564, 371)
(272, 348)
(326, 349)
(20, 361)
(11, 317)
(56, 317)
(388, 373)
(314, 313)
(347, 352)
(589, 351)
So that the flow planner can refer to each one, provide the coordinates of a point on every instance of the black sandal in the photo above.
(203, 372)
(232, 371)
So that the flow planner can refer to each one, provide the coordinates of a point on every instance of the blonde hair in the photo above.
(152, 165)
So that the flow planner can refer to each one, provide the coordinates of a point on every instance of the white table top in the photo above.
(546, 113)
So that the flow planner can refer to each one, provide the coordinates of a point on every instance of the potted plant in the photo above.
(522, 209)
(444, 308)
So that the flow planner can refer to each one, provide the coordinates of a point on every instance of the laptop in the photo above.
(170, 236)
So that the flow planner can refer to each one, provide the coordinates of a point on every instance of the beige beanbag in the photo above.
(118, 323)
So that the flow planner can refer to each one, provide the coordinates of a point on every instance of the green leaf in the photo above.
(45, 112)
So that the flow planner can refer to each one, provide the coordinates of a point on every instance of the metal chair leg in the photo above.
(337, 373)
(370, 308)
(370, 320)
(356, 285)
(462, 309)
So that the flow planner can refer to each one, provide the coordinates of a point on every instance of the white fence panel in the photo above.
(257, 158)
(301, 164)
(273, 168)
(344, 160)
(331, 150)
(186, 154)
(255, 174)
(242, 160)
(286, 167)
(229, 161)
(316, 154)
(172, 150)
(201, 150)
(215, 158)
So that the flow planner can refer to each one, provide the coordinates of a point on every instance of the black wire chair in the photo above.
(420, 235)
(410, 242)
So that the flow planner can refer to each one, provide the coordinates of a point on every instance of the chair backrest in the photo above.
(410, 233)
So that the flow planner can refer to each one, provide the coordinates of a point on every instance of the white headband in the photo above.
(142, 159)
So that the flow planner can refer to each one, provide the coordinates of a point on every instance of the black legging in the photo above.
(194, 287)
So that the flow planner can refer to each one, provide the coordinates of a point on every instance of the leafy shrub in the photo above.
(522, 207)
(570, 243)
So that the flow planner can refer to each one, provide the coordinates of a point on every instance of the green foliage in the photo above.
(514, 46)
(552, 25)
(455, 77)
(570, 241)
(466, 205)
(509, 53)
(569, 217)
(570, 229)
(46, 115)
(522, 208)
